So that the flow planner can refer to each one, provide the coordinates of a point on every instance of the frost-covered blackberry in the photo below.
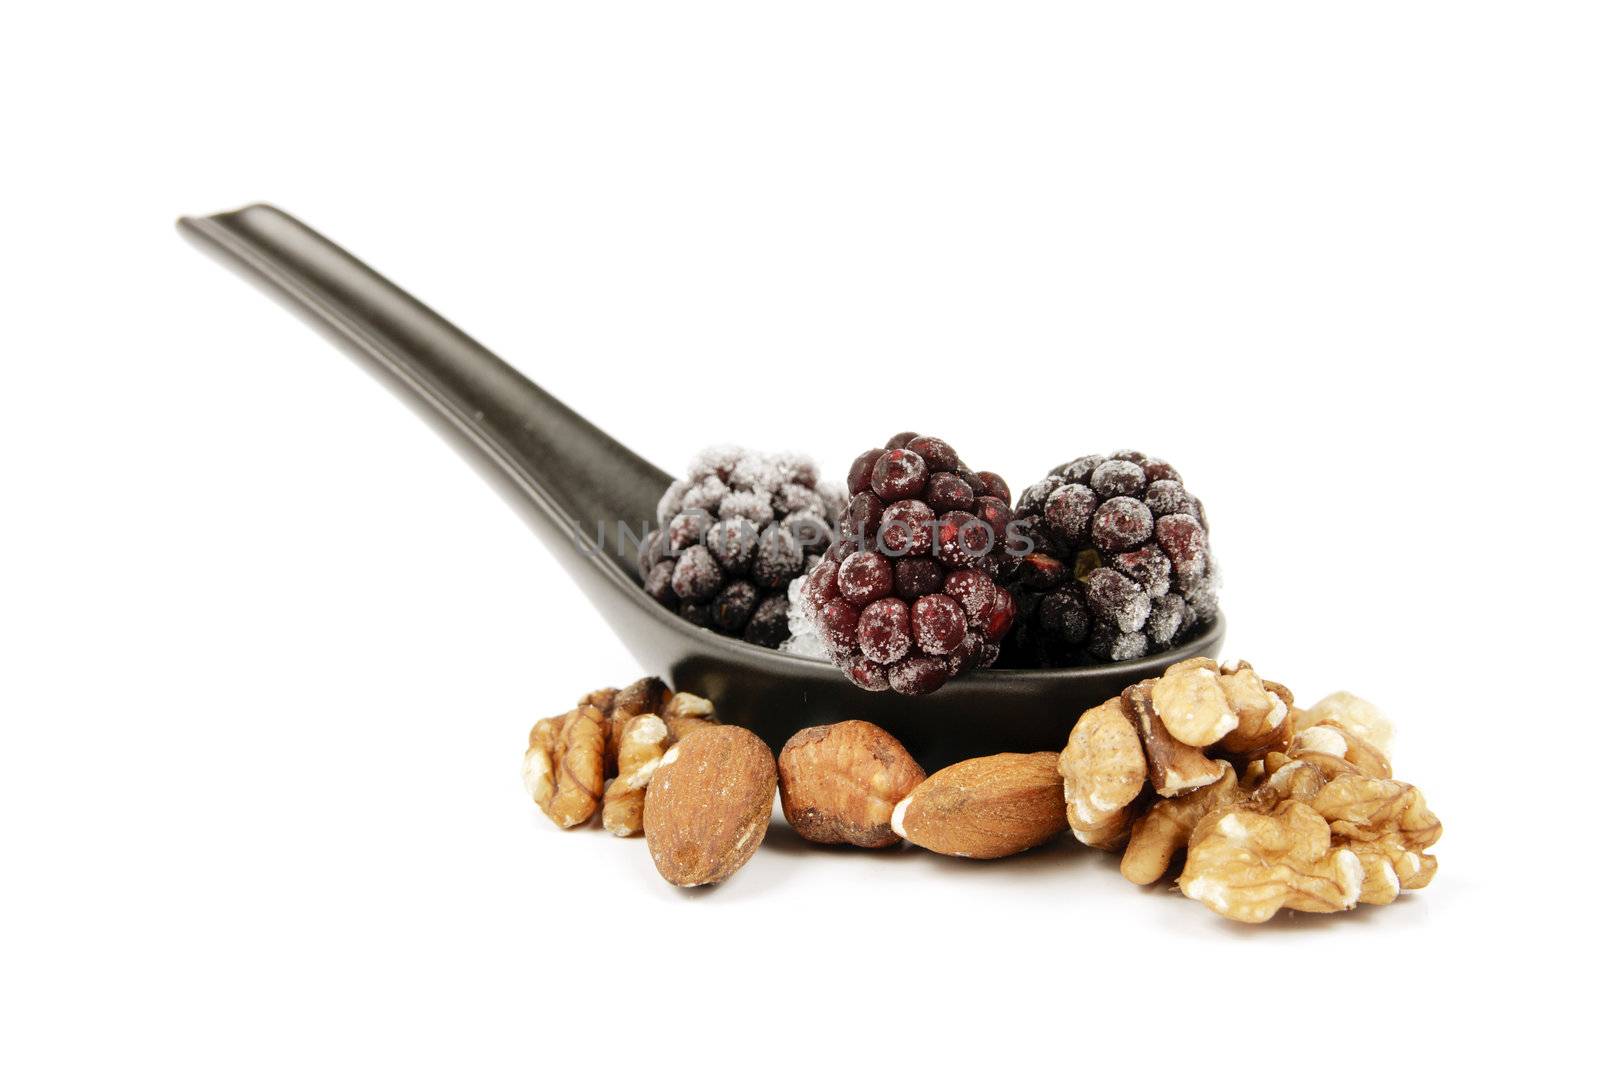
(906, 598)
(731, 536)
(1121, 565)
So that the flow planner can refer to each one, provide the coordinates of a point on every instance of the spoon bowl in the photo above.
(577, 487)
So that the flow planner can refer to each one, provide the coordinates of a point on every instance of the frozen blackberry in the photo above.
(696, 576)
(732, 609)
(779, 558)
(658, 583)
(769, 626)
(1120, 563)
(698, 614)
(732, 534)
(731, 545)
(906, 599)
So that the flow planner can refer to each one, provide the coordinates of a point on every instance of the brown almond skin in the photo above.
(708, 804)
(988, 807)
(839, 784)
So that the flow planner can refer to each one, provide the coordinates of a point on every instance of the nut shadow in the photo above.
(1054, 856)
(1182, 915)
(1061, 858)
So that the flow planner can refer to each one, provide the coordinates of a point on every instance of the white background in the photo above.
(271, 650)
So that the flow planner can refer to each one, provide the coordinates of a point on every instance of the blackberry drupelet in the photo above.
(731, 537)
(906, 598)
(1121, 565)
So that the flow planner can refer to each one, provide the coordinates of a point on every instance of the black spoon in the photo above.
(569, 479)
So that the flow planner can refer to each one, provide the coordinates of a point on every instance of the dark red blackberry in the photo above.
(899, 474)
(883, 630)
(1120, 566)
(906, 599)
(948, 491)
(938, 624)
(906, 528)
(917, 577)
(733, 535)
(864, 577)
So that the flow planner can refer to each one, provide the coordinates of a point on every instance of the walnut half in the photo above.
(1387, 825)
(1164, 831)
(1103, 771)
(1236, 714)
(616, 734)
(1320, 831)
(1174, 766)
(1192, 704)
(1246, 865)
(565, 765)
(644, 740)
(1277, 808)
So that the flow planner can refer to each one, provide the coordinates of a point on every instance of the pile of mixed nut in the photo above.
(1271, 806)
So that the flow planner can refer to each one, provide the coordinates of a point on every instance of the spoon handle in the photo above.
(576, 473)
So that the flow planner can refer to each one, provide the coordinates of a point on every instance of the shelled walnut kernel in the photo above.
(571, 757)
(1357, 839)
(1103, 771)
(1276, 807)
(1110, 768)
(644, 741)
(1247, 864)
(1162, 832)
(1293, 810)
(564, 767)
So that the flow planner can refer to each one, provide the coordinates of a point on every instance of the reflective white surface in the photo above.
(260, 796)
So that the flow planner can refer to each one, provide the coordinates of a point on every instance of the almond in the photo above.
(986, 808)
(708, 804)
(839, 784)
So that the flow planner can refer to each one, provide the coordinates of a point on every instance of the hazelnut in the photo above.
(839, 784)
